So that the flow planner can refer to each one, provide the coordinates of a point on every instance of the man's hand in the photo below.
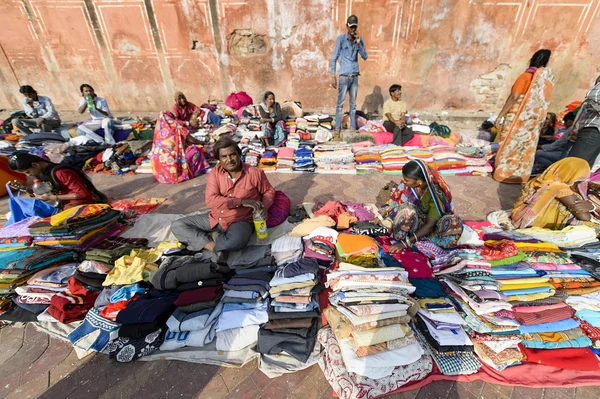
(334, 82)
(39, 121)
(357, 39)
(15, 185)
(400, 124)
(257, 207)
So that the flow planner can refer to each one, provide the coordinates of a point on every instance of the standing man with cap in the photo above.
(347, 47)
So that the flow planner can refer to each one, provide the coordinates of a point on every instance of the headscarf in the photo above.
(263, 104)
(554, 183)
(440, 193)
(183, 113)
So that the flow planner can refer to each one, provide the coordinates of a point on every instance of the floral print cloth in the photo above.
(514, 160)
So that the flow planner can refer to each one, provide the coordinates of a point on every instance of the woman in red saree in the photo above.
(525, 110)
(175, 157)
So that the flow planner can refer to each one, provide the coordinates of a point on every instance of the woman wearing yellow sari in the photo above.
(555, 199)
(524, 112)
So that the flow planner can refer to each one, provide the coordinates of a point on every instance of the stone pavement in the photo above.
(34, 365)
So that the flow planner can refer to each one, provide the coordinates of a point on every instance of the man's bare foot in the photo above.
(210, 246)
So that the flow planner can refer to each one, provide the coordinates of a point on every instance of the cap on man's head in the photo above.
(352, 20)
(26, 89)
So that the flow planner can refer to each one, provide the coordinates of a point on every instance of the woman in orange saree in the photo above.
(525, 111)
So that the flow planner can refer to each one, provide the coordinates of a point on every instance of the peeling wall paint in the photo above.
(447, 54)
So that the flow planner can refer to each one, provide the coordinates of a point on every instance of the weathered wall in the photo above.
(448, 54)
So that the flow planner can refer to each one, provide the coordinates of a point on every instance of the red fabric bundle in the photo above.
(556, 313)
(73, 304)
(499, 250)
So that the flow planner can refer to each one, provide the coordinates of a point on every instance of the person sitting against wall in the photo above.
(102, 118)
(191, 115)
(394, 117)
(39, 110)
(421, 208)
(234, 192)
(271, 118)
(69, 185)
(552, 152)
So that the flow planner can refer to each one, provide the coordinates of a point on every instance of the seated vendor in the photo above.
(69, 185)
(549, 153)
(548, 129)
(102, 118)
(39, 110)
(234, 191)
(271, 118)
(394, 117)
(421, 208)
(553, 200)
(190, 114)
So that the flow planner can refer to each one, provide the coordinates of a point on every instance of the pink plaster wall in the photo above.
(136, 53)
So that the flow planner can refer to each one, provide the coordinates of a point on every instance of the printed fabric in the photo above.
(514, 160)
(125, 350)
(348, 385)
(168, 155)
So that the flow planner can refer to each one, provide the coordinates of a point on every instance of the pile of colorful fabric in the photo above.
(334, 158)
(80, 227)
(253, 152)
(303, 159)
(393, 160)
(268, 160)
(285, 159)
(29, 266)
(368, 160)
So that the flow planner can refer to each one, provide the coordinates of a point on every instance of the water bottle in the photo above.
(90, 102)
(39, 188)
(260, 225)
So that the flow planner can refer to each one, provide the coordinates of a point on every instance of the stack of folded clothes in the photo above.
(184, 273)
(79, 227)
(16, 267)
(285, 159)
(334, 158)
(36, 296)
(143, 325)
(245, 308)
(368, 160)
(294, 319)
(16, 235)
(303, 159)
(441, 329)
(253, 152)
(357, 249)
(286, 249)
(74, 303)
(393, 160)
(320, 245)
(369, 317)
(268, 160)
(193, 322)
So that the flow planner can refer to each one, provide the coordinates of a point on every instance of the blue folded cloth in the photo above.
(555, 326)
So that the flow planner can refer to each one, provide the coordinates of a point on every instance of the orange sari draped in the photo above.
(514, 160)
